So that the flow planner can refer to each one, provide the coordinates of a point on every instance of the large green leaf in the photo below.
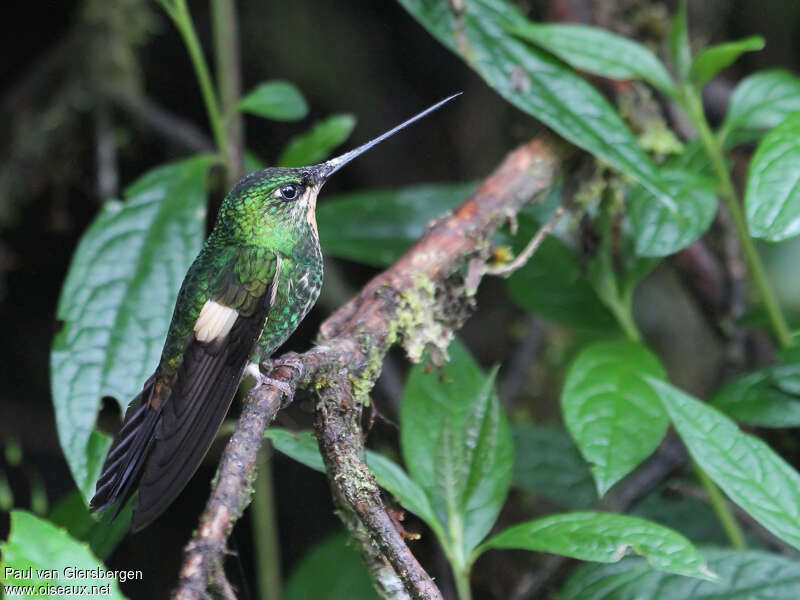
(760, 102)
(316, 144)
(605, 537)
(117, 301)
(303, 447)
(457, 447)
(767, 397)
(715, 58)
(772, 198)
(743, 575)
(600, 52)
(659, 231)
(553, 284)
(333, 570)
(611, 411)
(547, 463)
(537, 83)
(54, 559)
(388, 222)
(276, 100)
(746, 468)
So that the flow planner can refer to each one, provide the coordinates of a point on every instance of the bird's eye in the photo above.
(289, 191)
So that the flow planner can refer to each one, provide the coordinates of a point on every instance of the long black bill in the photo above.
(329, 167)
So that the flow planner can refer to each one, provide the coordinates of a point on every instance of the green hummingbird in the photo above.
(255, 279)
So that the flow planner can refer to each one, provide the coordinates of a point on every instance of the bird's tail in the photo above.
(122, 467)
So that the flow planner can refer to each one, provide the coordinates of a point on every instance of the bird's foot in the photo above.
(279, 385)
(259, 373)
(290, 360)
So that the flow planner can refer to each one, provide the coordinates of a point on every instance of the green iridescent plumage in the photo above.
(256, 278)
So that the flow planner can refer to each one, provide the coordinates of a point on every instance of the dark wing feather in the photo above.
(126, 457)
(170, 436)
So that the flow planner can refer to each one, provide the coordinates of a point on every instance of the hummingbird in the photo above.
(255, 279)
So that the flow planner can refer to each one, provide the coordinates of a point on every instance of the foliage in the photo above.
(752, 575)
(38, 555)
(459, 454)
(333, 570)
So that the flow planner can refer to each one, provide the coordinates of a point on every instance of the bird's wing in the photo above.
(173, 428)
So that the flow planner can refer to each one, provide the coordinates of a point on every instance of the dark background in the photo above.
(69, 71)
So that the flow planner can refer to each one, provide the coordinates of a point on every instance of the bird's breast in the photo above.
(299, 284)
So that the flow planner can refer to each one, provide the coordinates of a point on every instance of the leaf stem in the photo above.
(179, 14)
(265, 529)
(620, 304)
(225, 30)
(462, 583)
(693, 105)
(721, 509)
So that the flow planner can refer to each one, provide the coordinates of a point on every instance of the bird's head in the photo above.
(276, 204)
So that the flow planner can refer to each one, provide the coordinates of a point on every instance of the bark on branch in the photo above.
(417, 302)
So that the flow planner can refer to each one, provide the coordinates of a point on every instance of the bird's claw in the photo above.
(291, 361)
(279, 385)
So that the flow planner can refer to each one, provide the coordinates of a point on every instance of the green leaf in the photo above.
(389, 221)
(333, 570)
(53, 558)
(772, 197)
(276, 100)
(679, 50)
(715, 58)
(765, 398)
(537, 83)
(661, 232)
(610, 410)
(316, 144)
(553, 284)
(71, 513)
(117, 301)
(743, 466)
(457, 447)
(605, 537)
(391, 477)
(299, 445)
(302, 446)
(547, 463)
(760, 102)
(743, 575)
(600, 52)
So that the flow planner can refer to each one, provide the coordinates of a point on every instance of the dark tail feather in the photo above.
(122, 467)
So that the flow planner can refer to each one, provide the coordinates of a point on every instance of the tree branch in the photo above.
(417, 302)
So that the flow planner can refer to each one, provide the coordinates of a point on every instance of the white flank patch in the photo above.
(214, 322)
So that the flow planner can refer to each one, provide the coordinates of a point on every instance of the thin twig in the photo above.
(106, 153)
(343, 367)
(174, 128)
(753, 526)
(523, 257)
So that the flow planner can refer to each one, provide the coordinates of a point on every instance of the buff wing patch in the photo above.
(215, 321)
